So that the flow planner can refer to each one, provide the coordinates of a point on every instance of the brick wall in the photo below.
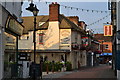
(54, 12)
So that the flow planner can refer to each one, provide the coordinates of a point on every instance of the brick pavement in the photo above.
(102, 71)
(95, 72)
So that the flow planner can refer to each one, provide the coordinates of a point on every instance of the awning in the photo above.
(106, 54)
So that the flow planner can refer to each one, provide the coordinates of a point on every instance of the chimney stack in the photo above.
(54, 11)
(82, 25)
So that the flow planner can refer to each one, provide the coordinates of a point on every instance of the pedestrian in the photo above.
(63, 65)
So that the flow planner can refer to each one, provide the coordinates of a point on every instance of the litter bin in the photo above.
(35, 71)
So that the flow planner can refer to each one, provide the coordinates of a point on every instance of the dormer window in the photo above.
(41, 23)
(24, 37)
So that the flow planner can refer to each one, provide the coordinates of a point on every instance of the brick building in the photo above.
(105, 46)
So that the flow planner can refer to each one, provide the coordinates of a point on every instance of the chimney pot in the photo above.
(55, 2)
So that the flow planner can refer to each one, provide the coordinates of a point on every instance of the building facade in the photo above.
(105, 47)
(10, 29)
(58, 38)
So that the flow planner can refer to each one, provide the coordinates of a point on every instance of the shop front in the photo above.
(10, 31)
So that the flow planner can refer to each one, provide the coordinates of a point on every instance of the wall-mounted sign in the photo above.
(65, 39)
(14, 26)
(22, 56)
(65, 33)
(65, 36)
(108, 30)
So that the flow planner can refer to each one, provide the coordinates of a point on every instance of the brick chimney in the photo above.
(74, 19)
(54, 11)
(82, 25)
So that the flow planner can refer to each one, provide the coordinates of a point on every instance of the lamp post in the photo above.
(35, 11)
(88, 35)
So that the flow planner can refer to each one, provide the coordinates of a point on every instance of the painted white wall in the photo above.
(52, 34)
(73, 36)
(25, 43)
(51, 38)
(76, 37)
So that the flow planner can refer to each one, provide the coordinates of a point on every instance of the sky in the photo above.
(86, 11)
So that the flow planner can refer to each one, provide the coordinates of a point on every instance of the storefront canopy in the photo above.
(106, 54)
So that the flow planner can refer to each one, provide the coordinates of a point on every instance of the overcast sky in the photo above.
(84, 12)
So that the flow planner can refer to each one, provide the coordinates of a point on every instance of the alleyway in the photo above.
(102, 72)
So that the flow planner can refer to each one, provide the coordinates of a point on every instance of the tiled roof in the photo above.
(28, 22)
(65, 23)
(102, 37)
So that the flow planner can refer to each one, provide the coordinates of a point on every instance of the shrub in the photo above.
(68, 66)
(56, 66)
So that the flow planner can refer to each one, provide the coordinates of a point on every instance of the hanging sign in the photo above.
(108, 30)
(85, 41)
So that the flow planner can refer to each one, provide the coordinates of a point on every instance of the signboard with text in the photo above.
(108, 30)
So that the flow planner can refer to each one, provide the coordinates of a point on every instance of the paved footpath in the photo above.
(102, 72)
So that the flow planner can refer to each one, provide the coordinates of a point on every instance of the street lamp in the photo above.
(35, 11)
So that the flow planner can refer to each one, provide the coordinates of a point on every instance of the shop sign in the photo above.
(14, 26)
(108, 30)
(23, 56)
(65, 38)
